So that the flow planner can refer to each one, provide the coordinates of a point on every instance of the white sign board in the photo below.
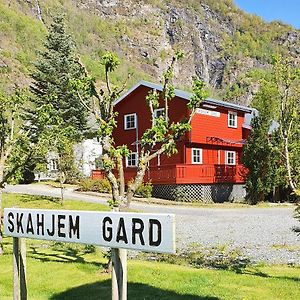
(147, 232)
(208, 112)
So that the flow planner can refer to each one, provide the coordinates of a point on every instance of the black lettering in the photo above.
(51, 233)
(137, 231)
(29, 228)
(40, 224)
(106, 229)
(11, 228)
(61, 225)
(151, 232)
(74, 227)
(19, 223)
(121, 232)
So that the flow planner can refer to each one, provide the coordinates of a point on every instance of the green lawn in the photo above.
(70, 271)
(44, 202)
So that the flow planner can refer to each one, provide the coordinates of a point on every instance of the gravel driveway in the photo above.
(262, 234)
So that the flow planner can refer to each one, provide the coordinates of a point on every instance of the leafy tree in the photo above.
(14, 144)
(160, 138)
(273, 159)
(58, 139)
(287, 100)
(259, 155)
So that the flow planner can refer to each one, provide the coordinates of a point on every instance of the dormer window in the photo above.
(130, 121)
(159, 112)
(232, 119)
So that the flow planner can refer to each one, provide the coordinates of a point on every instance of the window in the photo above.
(196, 156)
(232, 119)
(230, 157)
(53, 164)
(131, 160)
(159, 112)
(130, 121)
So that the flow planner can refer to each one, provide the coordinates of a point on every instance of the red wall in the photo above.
(208, 126)
(136, 103)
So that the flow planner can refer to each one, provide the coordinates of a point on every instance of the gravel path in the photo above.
(262, 234)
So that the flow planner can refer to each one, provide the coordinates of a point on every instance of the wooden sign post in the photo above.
(117, 230)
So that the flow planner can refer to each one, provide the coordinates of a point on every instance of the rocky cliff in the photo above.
(226, 47)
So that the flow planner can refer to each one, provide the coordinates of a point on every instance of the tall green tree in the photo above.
(57, 119)
(56, 66)
(272, 158)
(287, 100)
(259, 155)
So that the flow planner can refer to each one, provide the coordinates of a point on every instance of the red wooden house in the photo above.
(208, 164)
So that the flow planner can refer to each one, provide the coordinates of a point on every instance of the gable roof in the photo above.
(184, 95)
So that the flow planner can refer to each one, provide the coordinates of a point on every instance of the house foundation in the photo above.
(208, 193)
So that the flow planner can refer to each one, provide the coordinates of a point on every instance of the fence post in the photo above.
(16, 263)
(23, 284)
(119, 274)
(19, 269)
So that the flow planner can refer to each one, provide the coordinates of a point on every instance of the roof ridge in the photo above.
(182, 94)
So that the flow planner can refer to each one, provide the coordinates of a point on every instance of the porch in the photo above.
(187, 174)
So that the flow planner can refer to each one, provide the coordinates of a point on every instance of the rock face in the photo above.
(221, 43)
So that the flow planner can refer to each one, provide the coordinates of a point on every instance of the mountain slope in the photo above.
(226, 47)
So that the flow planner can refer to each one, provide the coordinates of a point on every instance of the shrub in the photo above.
(95, 185)
(144, 190)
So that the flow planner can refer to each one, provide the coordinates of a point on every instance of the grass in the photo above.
(44, 202)
(83, 267)
(60, 271)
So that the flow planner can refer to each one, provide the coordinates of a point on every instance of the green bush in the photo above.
(144, 190)
(95, 185)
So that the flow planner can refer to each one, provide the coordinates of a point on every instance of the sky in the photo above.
(287, 11)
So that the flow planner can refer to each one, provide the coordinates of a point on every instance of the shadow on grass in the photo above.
(64, 255)
(31, 198)
(256, 272)
(136, 291)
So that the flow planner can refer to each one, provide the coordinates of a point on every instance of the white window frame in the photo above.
(53, 164)
(227, 162)
(234, 114)
(157, 110)
(125, 121)
(128, 159)
(194, 156)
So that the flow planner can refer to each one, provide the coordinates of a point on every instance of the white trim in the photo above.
(125, 121)
(227, 157)
(201, 157)
(136, 160)
(158, 110)
(234, 113)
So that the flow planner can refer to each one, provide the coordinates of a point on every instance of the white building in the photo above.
(86, 154)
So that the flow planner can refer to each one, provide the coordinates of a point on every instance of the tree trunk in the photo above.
(137, 182)
(288, 165)
(1, 193)
(1, 234)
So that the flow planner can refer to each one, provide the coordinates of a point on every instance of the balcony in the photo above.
(188, 174)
